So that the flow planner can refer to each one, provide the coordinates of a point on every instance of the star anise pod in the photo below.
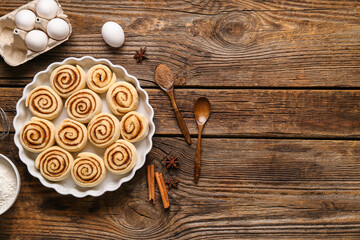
(140, 55)
(172, 183)
(171, 162)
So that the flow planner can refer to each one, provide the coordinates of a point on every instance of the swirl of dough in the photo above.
(54, 163)
(37, 135)
(83, 105)
(122, 98)
(134, 127)
(43, 102)
(120, 157)
(100, 78)
(71, 135)
(103, 130)
(67, 79)
(88, 169)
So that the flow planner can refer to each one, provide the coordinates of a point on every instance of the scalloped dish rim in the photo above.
(18, 124)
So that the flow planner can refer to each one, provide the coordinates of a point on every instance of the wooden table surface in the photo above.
(281, 151)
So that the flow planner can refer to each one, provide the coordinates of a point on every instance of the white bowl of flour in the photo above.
(9, 183)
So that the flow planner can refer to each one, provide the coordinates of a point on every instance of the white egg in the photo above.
(58, 29)
(36, 40)
(25, 20)
(113, 34)
(47, 9)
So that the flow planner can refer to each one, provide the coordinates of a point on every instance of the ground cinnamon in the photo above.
(162, 189)
(151, 183)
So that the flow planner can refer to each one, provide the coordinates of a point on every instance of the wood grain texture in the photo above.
(249, 188)
(218, 43)
(251, 113)
(280, 155)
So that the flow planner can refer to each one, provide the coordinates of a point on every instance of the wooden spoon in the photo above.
(165, 79)
(202, 111)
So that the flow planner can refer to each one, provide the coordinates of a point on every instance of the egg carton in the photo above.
(12, 39)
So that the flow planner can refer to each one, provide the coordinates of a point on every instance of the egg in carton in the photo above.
(31, 30)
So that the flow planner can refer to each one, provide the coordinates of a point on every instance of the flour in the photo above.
(8, 185)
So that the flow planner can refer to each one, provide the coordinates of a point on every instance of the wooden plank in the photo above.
(249, 188)
(252, 113)
(194, 6)
(284, 43)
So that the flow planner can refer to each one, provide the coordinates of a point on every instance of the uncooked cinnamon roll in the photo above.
(100, 78)
(88, 170)
(120, 157)
(67, 79)
(83, 105)
(37, 135)
(134, 127)
(122, 98)
(54, 163)
(71, 135)
(103, 130)
(43, 102)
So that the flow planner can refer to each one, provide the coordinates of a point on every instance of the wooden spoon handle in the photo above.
(198, 156)
(180, 120)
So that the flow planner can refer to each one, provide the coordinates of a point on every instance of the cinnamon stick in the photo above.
(162, 189)
(151, 183)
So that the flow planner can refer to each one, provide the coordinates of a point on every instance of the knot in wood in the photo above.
(236, 29)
